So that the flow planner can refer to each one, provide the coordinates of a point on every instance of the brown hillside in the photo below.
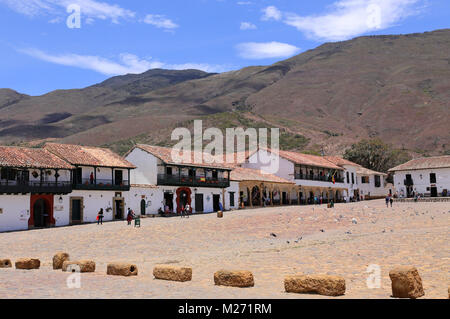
(393, 87)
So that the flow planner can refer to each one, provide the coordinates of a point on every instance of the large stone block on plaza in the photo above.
(240, 278)
(406, 282)
(59, 259)
(122, 269)
(315, 284)
(81, 266)
(28, 263)
(5, 263)
(172, 273)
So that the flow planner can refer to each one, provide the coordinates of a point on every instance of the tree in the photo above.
(376, 155)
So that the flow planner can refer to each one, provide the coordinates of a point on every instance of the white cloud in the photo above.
(160, 21)
(90, 9)
(127, 63)
(350, 18)
(255, 50)
(272, 13)
(248, 26)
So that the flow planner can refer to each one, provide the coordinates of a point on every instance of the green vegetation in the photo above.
(289, 141)
(376, 155)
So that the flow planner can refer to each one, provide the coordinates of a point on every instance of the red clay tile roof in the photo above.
(88, 156)
(21, 157)
(248, 174)
(339, 161)
(365, 171)
(424, 163)
(307, 159)
(165, 155)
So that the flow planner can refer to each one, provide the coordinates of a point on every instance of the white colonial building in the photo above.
(373, 184)
(100, 179)
(60, 185)
(175, 184)
(30, 179)
(429, 176)
(315, 176)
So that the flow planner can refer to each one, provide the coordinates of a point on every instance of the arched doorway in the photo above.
(143, 207)
(183, 198)
(41, 211)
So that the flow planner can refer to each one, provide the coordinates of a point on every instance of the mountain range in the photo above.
(393, 87)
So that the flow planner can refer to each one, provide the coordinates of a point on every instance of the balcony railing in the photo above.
(102, 184)
(22, 187)
(176, 180)
(327, 179)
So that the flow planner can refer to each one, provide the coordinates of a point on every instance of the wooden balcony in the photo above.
(22, 187)
(102, 185)
(190, 181)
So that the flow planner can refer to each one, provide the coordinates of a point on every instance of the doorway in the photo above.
(168, 201)
(216, 202)
(143, 207)
(434, 192)
(118, 178)
(199, 207)
(76, 210)
(78, 176)
(183, 198)
(41, 211)
(119, 205)
(284, 198)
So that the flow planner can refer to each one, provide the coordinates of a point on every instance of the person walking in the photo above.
(130, 216)
(91, 178)
(391, 200)
(182, 211)
(388, 199)
(100, 217)
(187, 209)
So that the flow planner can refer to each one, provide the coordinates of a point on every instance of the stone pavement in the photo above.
(309, 239)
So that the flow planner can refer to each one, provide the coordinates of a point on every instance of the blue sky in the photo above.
(40, 53)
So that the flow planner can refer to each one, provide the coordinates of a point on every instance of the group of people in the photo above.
(389, 200)
(130, 216)
(185, 210)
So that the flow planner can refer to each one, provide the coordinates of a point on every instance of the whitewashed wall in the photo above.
(15, 212)
(153, 197)
(147, 167)
(234, 187)
(421, 180)
(92, 201)
(285, 169)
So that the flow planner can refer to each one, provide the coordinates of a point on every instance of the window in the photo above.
(353, 178)
(169, 171)
(348, 178)
(377, 181)
(432, 178)
(215, 175)
(191, 173)
(365, 179)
